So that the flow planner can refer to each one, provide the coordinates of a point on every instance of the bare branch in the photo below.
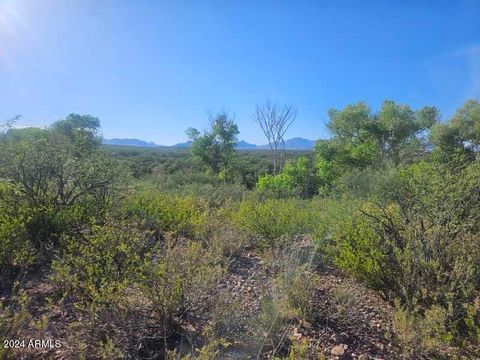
(274, 120)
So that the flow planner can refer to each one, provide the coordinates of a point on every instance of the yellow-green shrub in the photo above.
(18, 321)
(124, 281)
(422, 335)
(16, 251)
(361, 251)
(177, 281)
(168, 213)
(274, 218)
(280, 185)
(97, 265)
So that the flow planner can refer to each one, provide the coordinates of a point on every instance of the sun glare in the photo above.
(12, 27)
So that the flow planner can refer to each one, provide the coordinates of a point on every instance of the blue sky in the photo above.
(151, 69)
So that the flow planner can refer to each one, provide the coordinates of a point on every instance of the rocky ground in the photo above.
(349, 321)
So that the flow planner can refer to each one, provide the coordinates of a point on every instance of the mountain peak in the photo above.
(128, 142)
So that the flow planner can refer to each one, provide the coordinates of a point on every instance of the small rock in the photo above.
(296, 334)
(339, 338)
(191, 328)
(362, 357)
(337, 351)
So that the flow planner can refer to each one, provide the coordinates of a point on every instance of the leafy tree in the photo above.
(216, 148)
(226, 134)
(361, 138)
(57, 168)
(398, 127)
(303, 177)
(296, 178)
(461, 134)
(81, 130)
(205, 149)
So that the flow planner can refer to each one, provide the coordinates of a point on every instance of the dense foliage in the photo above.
(132, 243)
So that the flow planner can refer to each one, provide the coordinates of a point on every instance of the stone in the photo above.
(339, 338)
(337, 351)
(296, 334)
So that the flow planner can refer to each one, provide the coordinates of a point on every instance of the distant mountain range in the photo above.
(297, 143)
(128, 142)
(290, 144)
(183, 145)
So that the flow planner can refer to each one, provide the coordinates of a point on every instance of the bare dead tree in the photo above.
(274, 120)
(8, 124)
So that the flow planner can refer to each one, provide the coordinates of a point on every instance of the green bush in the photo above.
(215, 196)
(19, 321)
(123, 282)
(297, 178)
(422, 248)
(183, 215)
(177, 282)
(16, 250)
(274, 219)
(101, 263)
(361, 251)
(280, 185)
(422, 335)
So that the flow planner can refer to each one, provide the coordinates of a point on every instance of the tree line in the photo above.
(360, 138)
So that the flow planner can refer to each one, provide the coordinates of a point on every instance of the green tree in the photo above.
(57, 168)
(361, 138)
(461, 134)
(215, 149)
(81, 130)
(398, 128)
(297, 178)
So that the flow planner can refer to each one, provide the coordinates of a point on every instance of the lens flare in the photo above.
(12, 27)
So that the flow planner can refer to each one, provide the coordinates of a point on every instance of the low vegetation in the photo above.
(367, 246)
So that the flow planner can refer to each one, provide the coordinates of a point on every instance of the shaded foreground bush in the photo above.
(419, 244)
(127, 285)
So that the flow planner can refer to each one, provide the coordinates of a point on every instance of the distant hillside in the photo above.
(295, 144)
(242, 144)
(183, 145)
(299, 144)
(128, 142)
(290, 144)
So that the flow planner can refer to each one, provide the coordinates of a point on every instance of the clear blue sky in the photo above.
(151, 69)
